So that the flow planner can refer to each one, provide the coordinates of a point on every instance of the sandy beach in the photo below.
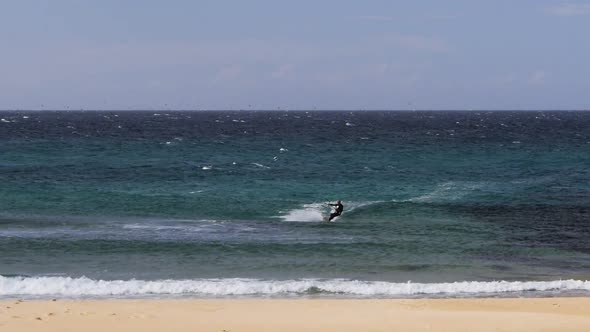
(530, 314)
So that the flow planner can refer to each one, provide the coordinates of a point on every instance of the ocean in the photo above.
(201, 204)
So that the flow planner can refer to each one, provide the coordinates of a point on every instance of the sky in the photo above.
(274, 54)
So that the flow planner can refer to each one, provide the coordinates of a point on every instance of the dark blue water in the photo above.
(431, 197)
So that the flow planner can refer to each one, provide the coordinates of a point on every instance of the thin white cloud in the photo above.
(420, 43)
(229, 73)
(380, 69)
(154, 83)
(81, 58)
(538, 77)
(376, 18)
(387, 18)
(569, 9)
(283, 71)
(443, 17)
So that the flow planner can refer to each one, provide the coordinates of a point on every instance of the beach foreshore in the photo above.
(235, 315)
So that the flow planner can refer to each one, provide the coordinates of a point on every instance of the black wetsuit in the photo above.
(339, 209)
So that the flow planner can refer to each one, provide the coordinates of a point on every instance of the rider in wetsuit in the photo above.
(337, 211)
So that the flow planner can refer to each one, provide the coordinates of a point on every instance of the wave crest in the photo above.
(86, 287)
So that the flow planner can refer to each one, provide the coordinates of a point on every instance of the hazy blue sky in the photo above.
(181, 54)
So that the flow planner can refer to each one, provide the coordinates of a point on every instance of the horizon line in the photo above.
(294, 110)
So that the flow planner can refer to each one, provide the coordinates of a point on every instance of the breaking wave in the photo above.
(86, 287)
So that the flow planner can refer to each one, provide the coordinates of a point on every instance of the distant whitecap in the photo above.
(260, 165)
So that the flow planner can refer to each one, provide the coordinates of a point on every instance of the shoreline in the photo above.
(230, 315)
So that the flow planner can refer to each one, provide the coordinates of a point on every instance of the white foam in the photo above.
(84, 287)
(260, 165)
(309, 213)
(450, 191)
(317, 211)
(162, 227)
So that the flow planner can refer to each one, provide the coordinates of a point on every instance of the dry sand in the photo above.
(537, 314)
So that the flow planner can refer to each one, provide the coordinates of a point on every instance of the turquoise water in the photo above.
(430, 197)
